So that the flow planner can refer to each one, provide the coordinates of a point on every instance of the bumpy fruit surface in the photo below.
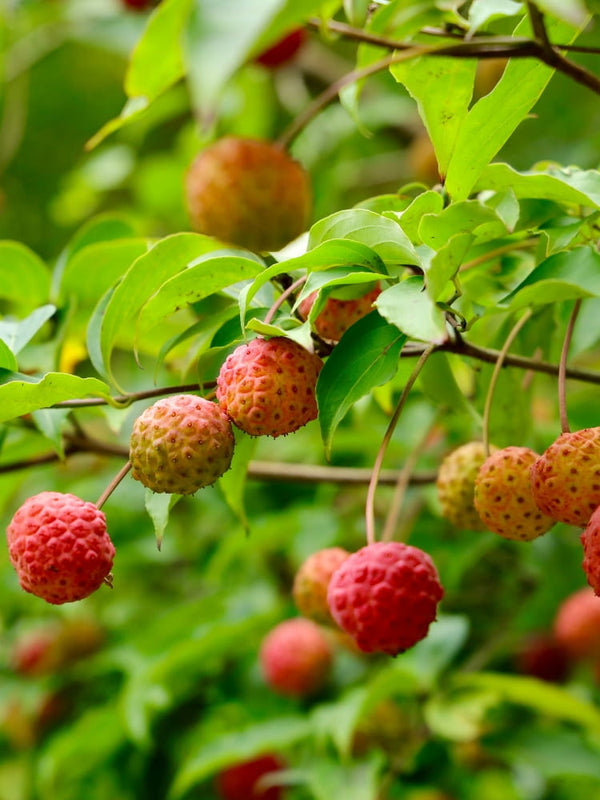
(242, 781)
(385, 596)
(503, 496)
(296, 658)
(590, 539)
(59, 547)
(311, 582)
(456, 485)
(283, 51)
(565, 479)
(267, 386)
(338, 315)
(577, 624)
(180, 444)
(249, 193)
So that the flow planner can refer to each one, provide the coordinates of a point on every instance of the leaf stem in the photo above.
(494, 379)
(283, 297)
(113, 484)
(370, 501)
(562, 368)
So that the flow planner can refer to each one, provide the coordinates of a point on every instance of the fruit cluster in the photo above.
(521, 495)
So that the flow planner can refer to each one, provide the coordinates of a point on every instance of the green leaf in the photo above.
(367, 356)
(233, 482)
(7, 358)
(241, 745)
(103, 228)
(158, 506)
(23, 395)
(560, 184)
(353, 781)
(442, 87)
(424, 203)
(382, 234)
(408, 306)
(221, 36)
(328, 254)
(193, 284)
(469, 216)
(552, 753)
(24, 278)
(157, 61)
(572, 11)
(17, 334)
(532, 693)
(445, 264)
(439, 383)
(117, 310)
(494, 117)
(562, 276)
(482, 11)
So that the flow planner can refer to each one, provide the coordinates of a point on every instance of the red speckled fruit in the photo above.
(296, 657)
(543, 657)
(180, 444)
(590, 539)
(240, 781)
(503, 496)
(139, 5)
(385, 596)
(312, 580)
(577, 624)
(338, 315)
(59, 547)
(267, 386)
(249, 193)
(283, 51)
(565, 479)
(456, 485)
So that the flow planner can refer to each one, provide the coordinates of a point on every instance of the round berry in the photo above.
(385, 596)
(311, 582)
(59, 547)
(296, 658)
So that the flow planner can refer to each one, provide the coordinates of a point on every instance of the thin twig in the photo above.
(127, 399)
(402, 485)
(494, 379)
(562, 368)
(283, 297)
(113, 484)
(370, 501)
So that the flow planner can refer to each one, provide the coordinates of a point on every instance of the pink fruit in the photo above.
(338, 315)
(242, 781)
(565, 479)
(59, 547)
(577, 624)
(249, 193)
(296, 657)
(590, 539)
(180, 444)
(267, 387)
(385, 596)
(312, 580)
(503, 496)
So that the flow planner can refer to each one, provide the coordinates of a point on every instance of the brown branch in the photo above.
(127, 399)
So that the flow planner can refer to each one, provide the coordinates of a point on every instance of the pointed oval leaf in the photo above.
(408, 306)
(22, 395)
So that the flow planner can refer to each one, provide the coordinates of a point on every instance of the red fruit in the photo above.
(312, 580)
(565, 479)
(577, 625)
(590, 539)
(59, 547)
(138, 5)
(385, 596)
(267, 387)
(543, 657)
(338, 315)
(37, 652)
(248, 193)
(283, 51)
(296, 658)
(241, 782)
(181, 444)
